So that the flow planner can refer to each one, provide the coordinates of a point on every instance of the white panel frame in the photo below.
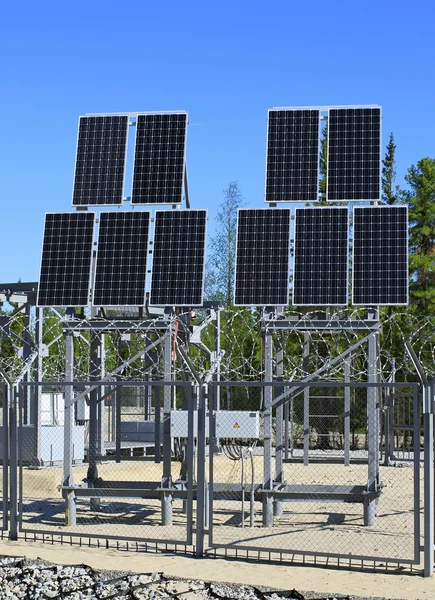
(383, 206)
(92, 250)
(78, 206)
(293, 109)
(163, 112)
(146, 259)
(348, 249)
(288, 255)
(188, 210)
(380, 152)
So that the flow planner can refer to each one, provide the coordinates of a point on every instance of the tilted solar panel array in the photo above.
(100, 160)
(354, 154)
(178, 258)
(121, 265)
(159, 159)
(380, 261)
(321, 256)
(66, 259)
(292, 163)
(262, 257)
(380, 255)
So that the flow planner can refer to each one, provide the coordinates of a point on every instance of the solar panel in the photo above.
(159, 158)
(380, 255)
(321, 256)
(66, 259)
(262, 257)
(121, 265)
(292, 164)
(178, 258)
(354, 154)
(100, 161)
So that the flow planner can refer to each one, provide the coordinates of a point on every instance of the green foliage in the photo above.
(10, 345)
(391, 193)
(421, 200)
(323, 161)
(220, 265)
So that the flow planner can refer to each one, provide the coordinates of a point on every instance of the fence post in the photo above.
(13, 528)
(278, 508)
(94, 425)
(428, 481)
(267, 474)
(372, 433)
(306, 367)
(6, 397)
(201, 487)
(67, 478)
(346, 428)
(167, 478)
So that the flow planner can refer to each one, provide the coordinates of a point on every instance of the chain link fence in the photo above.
(320, 484)
(131, 483)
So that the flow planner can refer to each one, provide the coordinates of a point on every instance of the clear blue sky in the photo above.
(224, 62)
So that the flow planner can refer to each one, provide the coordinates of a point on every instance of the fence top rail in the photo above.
(106, 383)
(334, 384)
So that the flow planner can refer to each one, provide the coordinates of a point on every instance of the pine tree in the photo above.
(221, 263)
(391, 193)
(323, 160)
(421, 199)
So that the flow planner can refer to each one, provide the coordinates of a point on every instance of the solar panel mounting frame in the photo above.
(178, 211)
(385, 206)
(161, 112)
(91, 252)
(146, 258)
(90, 115)
(288, 255)
(355, 107)
(272, 203)
(347, 261)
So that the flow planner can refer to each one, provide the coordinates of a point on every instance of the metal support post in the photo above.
(146, 388)
(267, 474)
(217, 352)
(278, 506)
(37, 391)
(92, 474)
(67, 478)
(201, 482)
(6, 400)
(27, 391)
(286, 429)
(389, 417)
(346, 429)
(117, 409)
(13, 491)
(306, 367)
(372, 432)
(101, 392)
(428, 423)
(167, 478)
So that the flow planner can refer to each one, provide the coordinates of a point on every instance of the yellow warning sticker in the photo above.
(236, 426)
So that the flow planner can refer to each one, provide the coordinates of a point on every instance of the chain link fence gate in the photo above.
(312, 484)
(294, 469)
(132, 481)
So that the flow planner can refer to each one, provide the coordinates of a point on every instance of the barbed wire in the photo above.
(138, 352)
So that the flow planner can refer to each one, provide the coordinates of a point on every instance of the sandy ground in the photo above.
(302, 578)
(325, 527)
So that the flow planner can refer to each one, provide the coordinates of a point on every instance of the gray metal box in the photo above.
(240, 424)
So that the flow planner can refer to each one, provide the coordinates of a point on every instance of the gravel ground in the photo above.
(21, 578)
